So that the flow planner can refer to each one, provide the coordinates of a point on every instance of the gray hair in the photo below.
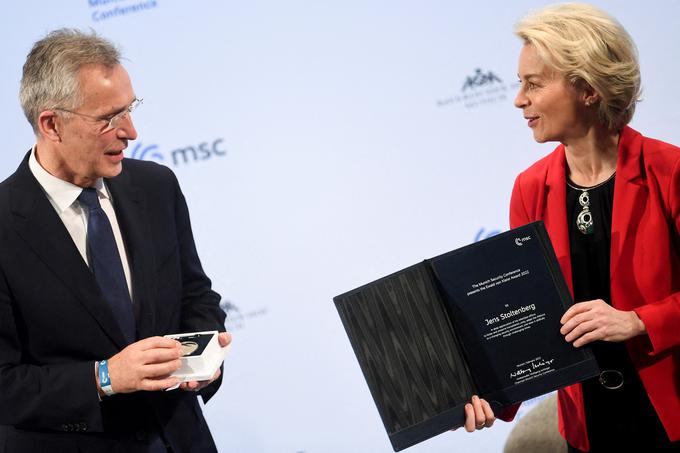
(50, 77)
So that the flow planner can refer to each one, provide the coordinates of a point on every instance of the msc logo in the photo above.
(520, 241)
(180, 156)
(142, 152)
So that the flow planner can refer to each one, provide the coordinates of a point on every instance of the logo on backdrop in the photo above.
(109, 9)
(480, 80)
(479, 88)
(236, 318)
(485, 234)
(181, 156)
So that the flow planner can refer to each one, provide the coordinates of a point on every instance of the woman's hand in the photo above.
(593, 320)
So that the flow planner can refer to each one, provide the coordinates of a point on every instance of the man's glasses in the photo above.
(112, 121)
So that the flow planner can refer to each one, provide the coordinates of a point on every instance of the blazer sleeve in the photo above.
(662, 318)
(200, 304)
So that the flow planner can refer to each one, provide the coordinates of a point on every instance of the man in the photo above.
(98, 262)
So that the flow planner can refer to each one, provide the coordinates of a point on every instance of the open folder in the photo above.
(482, 319)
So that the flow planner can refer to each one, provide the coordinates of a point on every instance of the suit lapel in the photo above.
(131, 212)
(630, 194)
(37, 223)
(556, 220)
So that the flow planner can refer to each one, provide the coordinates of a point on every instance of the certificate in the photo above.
(483, 319)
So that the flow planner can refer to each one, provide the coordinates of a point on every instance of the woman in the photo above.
(610, 200)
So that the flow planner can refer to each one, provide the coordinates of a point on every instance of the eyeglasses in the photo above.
(112, 121)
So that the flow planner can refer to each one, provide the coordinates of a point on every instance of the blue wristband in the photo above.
(104, 379)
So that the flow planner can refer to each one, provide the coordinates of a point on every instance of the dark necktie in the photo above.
(105, 263)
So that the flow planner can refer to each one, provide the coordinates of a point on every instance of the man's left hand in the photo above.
(194, 386)
(593, 320)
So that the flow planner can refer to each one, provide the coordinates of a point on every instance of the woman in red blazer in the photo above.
(610, 200)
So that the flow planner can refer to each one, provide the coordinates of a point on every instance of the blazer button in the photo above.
(64, 427)
(82, 426)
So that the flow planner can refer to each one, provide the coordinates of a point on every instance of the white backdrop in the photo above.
(322, 145)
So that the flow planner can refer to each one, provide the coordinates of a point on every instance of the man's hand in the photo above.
(596, 320)
(478, 415)
(194, 386)
(144, 365)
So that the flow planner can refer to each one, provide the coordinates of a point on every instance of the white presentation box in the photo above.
(202, 355)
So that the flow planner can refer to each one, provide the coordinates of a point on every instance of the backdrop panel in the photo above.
(322, 145)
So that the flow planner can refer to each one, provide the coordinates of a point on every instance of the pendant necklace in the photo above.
(584, 220)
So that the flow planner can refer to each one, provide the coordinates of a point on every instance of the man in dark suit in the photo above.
(97, 262)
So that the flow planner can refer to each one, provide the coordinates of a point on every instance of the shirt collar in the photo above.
(60, 192)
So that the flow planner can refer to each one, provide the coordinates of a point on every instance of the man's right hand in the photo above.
(478, 415)
(144, 365)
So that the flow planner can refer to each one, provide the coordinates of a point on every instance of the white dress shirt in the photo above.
(64, 198)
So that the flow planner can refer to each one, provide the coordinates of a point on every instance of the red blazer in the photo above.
(645, 263)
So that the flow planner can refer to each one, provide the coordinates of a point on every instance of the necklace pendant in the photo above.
(584, 199)
(584, 220)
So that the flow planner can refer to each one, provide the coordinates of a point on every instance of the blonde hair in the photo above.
(50, 77)
(587, 45)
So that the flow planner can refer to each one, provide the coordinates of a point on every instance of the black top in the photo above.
(616, 419)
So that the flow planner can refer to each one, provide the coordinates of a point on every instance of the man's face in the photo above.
(88, 150)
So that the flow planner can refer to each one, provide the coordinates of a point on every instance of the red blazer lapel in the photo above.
(556, 217)
(630, 198)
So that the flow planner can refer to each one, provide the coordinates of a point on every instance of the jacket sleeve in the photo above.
(200, 304)
(662, 318)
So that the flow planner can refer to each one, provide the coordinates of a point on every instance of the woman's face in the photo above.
(554, 109)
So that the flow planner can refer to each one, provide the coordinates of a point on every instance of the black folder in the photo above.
(482, 319)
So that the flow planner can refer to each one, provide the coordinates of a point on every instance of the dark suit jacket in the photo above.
(645, 263)
(54, 323)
